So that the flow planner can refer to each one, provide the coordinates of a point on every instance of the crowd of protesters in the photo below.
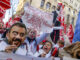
(24, 41)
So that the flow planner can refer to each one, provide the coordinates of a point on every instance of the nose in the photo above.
(45, 45)
(18, 36)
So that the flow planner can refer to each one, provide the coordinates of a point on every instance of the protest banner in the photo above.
(11, 56)
(35, 18)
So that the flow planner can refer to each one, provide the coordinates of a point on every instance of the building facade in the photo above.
(71, 8)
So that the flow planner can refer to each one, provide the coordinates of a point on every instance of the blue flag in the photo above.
(77, 30)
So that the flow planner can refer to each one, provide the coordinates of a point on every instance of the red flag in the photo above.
(70, 33)
(59, 4)
(62, 24)
(12, 21)
(65, 28)
(1, 27)
(61, 19)
(2, 12)
(5, 4)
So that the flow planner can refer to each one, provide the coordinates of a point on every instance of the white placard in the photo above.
(35, 18)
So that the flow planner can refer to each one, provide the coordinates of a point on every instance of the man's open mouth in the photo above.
(45, 48)
(16, 42)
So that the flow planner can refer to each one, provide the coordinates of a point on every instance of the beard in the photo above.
(16, 41)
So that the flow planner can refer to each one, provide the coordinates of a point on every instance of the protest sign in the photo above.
(35, 18)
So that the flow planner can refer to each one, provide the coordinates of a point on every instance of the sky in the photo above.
(11, 11)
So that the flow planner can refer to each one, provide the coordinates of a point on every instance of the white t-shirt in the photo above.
(3, 45)
(20, 51)
(40, 52)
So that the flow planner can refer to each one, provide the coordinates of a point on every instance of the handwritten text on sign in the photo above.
(38, 19)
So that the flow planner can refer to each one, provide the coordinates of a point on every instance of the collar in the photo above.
(30, 40)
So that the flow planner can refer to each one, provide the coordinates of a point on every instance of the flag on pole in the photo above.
(70, 33)
(61, 18)
(77, 30)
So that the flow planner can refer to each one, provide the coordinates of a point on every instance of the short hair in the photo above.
(61, 42)
(48, 42)
(19, 25)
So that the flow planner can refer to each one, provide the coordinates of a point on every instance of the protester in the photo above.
(42, 43)
(56, 12)
(33, 40)
(45, 51)
(15, 37)
(2, 30)
(55, 34)
(60, 44)
(66, 40)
